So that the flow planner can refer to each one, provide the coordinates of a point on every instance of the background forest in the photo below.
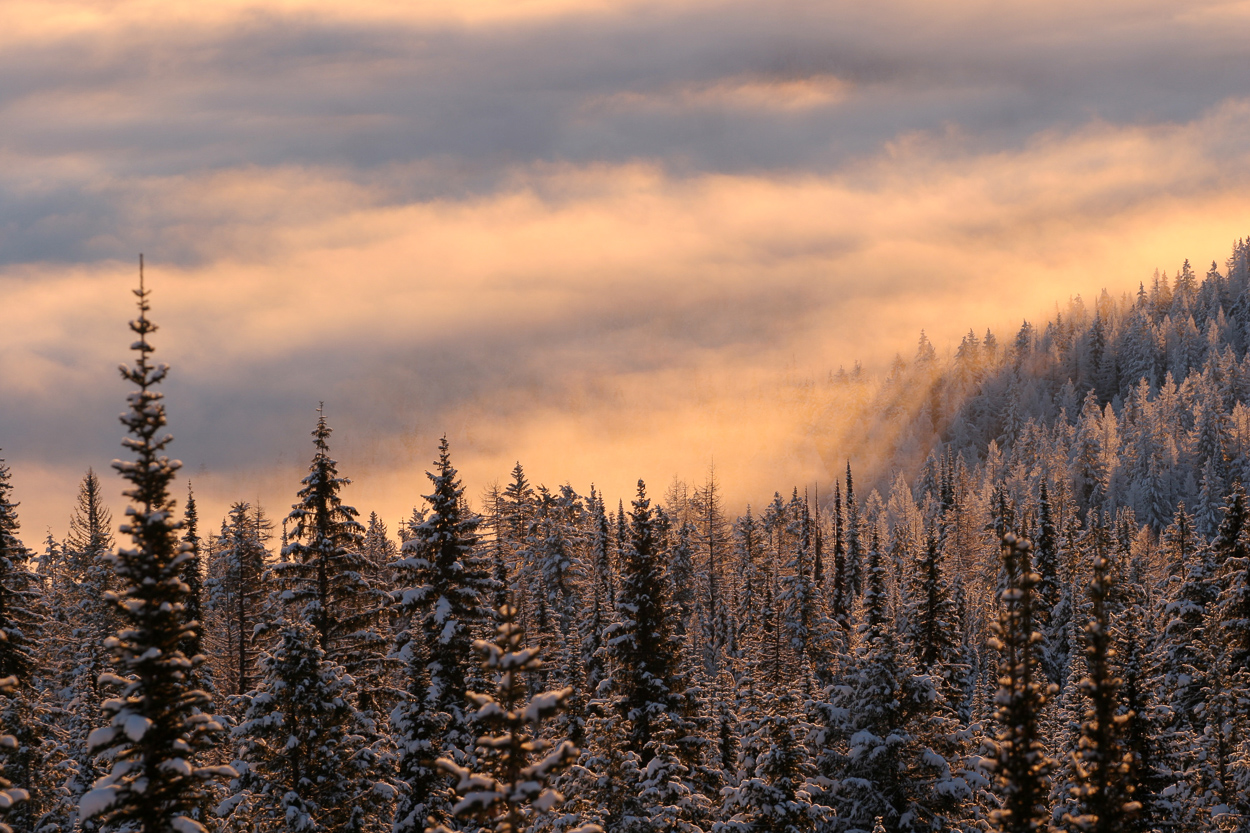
(882, 655)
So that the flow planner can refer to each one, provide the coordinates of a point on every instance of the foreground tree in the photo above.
(1022, 768)
(326, 577)
(646, 679)
(306, 764)
(443, 587)
(158, 722)
(514, 788)
(10, 796)
(1102, 792)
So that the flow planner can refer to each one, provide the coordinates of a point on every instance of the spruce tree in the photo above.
(237, 602)
(26, 714)
(775, 792)
(10, 796)
(646, 673)
(418, 733)
(885, 729)
(158, 722)
(306, 764)
(1103, 792)
(326, 577)
(515, 787)
(1049, 591)
(1148, 776)
(443, 591)
(89, 576)
(1021, 766)
(1232, 609)
(17, 619)
(937, 635)
(193, 576)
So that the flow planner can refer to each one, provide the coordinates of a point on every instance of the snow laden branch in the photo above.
(518, 765)
(9, 795)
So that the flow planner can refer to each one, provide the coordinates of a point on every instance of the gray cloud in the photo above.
(99, 116)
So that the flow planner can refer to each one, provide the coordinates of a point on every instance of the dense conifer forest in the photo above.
(1023, 604)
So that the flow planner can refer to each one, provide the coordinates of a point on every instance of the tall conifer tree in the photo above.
(1022, 767)
(158, 722)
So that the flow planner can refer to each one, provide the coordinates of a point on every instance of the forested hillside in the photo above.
(1024, 602)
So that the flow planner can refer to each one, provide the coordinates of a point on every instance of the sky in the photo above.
(609, 240)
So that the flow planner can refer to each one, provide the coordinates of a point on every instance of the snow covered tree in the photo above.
(604, 783)
(237, 598)
(158, 722)
(305, 762)
(937, 635)
(1021, 766)
(1148, 775)
(326, 576)
(35, 763)
(713, 536)
(193, 576)
(514, 787)
(418, 732)
(1103, 792)
(663, 789)
(19, 622)
(10, 796)
(646, 671)
(443, 591)
(884, 731)
(775, 793)
(1232, 609)
(87, 577)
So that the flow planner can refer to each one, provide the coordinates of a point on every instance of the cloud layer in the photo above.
(609, 240)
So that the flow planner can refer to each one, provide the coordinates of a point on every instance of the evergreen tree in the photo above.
(10, 796)
(35, 765)
(237, 598)
(1184, 624)
(885, 731)
(444, 587)
(646, 656)
(158, 723)
(88, 576)
(1021, 765)
(1147, 776)
(193, 576)
(18, 620)
(306, 764)
(937, 643)
(418, 732)
(713, 536)
(1104, 792)
(326, 576)
(515, 788)
(1232, 610)
(854, 556)
(775, 792)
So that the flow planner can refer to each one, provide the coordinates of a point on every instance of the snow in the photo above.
(98, 800)
(101, 737)
(135, 726)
